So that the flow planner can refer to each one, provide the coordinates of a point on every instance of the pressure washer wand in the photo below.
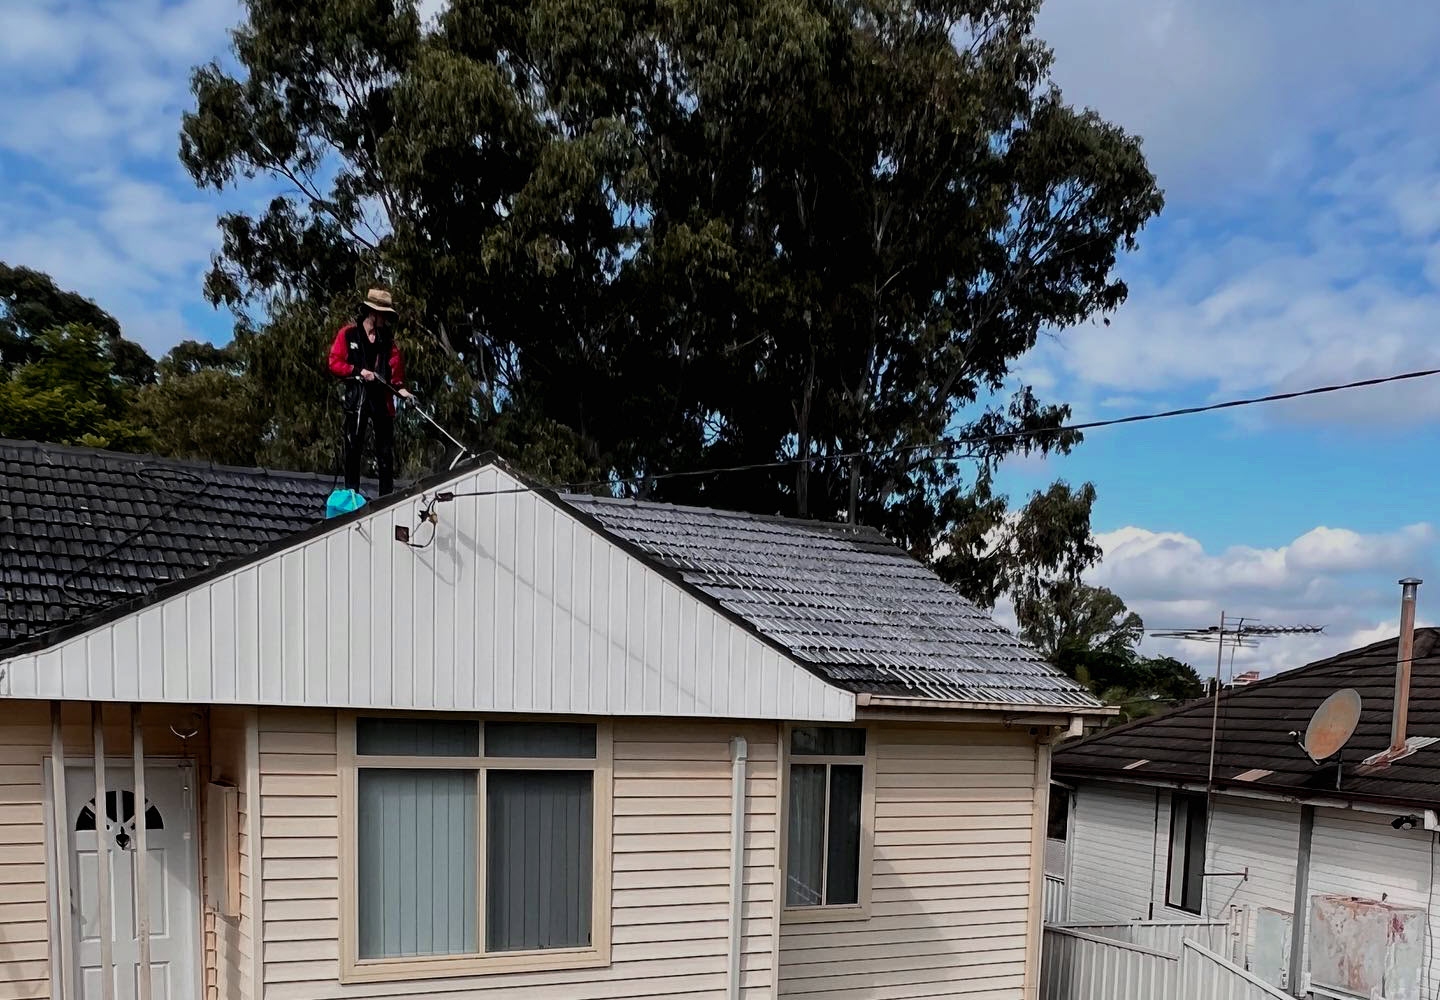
(464, 451)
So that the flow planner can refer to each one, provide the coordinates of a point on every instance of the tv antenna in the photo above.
(1241, 633)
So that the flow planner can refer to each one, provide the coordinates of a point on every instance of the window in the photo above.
(1058, 825)
(474, 844)
(120, 816)
(1185, 884)
(826, 820)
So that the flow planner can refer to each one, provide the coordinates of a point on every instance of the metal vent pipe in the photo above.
(1403, 657)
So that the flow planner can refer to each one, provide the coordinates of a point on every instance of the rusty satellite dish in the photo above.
(1332, 725)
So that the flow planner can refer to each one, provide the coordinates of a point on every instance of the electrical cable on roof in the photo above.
(973, 439)
(140, 472)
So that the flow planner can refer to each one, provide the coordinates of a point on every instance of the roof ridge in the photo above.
(145, 458)
(838, 527)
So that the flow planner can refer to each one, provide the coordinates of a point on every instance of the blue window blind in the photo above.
(415, 863)
(538, 839)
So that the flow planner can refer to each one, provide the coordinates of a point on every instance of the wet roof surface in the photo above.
(862, 611)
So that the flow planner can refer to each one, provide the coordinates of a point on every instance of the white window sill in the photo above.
(394, 970)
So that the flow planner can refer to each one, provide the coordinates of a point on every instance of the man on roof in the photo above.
(366, 356)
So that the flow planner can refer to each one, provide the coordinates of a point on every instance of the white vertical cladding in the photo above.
(1361, 854)
(1256, 836)
(514, 606)
(1110, 868)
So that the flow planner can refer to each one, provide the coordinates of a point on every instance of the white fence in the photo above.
(1054, 899)
(1081, 965)
(1207, 976)
(1162, 935)
(1075, 965)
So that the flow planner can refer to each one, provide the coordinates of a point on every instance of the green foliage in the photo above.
(636, 239)
(202, 406)
(1073, 615)
(67, 391)
(31, 303)
(1090, 634)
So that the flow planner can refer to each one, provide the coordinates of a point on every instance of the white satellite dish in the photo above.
(1332, 725)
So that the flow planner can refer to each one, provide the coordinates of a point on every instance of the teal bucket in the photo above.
(343, 502)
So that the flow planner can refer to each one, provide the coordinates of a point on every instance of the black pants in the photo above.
(374, 412)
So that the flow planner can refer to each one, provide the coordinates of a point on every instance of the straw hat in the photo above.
(379, 300)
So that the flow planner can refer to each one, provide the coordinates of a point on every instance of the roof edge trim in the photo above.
(1331, 799)
(864, 700)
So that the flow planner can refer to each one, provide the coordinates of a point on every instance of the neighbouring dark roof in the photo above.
(83, 529)
(847, 601)
(1255, 723)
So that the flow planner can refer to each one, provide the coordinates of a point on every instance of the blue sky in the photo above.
(1298, 146)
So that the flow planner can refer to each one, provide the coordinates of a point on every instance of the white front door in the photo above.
(173, 878)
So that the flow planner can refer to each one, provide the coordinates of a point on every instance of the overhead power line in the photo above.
(1229, 404)
(949, 444)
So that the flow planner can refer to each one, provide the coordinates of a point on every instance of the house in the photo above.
(483, 740)
(1323, 867)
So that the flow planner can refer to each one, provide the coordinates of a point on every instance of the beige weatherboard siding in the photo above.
(516, 606)
(669, 859)
(26, 929)
(951, 881)
(951, 871)
(949, 858)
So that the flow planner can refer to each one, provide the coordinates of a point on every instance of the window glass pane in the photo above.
(842, 854)
(538, 869)
(1058, 826)
(827, 740)
(539, 739)
(417, 737)
(415, 862)
(1195, 856)
(806, 837)
(1175, 882)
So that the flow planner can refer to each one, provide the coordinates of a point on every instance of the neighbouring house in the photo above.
(480, 739)
(1328, 868)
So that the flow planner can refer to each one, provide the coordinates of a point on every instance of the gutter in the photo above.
(1387, 808)
(739, 758)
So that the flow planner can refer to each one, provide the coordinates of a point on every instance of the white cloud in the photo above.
(95, 195)
(1340, 550)
(1299, 244)
(1336, 577)
(1230, 93)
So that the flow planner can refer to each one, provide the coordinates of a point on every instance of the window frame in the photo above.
(1191, 799)
(860, 909)
(354, 969)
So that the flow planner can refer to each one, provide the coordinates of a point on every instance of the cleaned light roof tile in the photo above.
(846, 600)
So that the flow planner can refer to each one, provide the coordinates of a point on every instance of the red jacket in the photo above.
(349, 350)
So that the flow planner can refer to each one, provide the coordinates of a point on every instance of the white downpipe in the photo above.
(739, 758)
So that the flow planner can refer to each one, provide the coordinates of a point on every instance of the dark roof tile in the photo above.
(1255, 723)
(65, 509)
